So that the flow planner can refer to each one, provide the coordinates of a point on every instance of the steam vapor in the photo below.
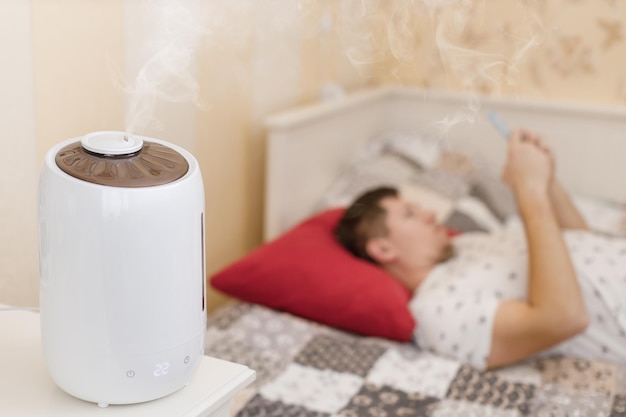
(432, 38)
(168, 70)
(435, 38)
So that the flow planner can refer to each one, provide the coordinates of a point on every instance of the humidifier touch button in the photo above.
(121, 229)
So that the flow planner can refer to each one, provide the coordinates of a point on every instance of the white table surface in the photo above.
(26, 389)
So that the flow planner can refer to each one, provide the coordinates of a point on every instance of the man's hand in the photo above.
(529, 165)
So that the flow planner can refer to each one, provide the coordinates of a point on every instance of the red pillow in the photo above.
(306, 272)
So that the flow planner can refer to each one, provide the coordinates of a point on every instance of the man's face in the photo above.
(414, 233)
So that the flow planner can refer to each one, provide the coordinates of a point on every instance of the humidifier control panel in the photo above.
(169, 364)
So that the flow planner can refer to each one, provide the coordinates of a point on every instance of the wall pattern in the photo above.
(567, 50)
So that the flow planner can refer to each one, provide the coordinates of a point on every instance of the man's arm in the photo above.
(567, 215)
(555, 310)
(566, 212)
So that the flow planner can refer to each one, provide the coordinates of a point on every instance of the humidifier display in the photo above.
(122, 297)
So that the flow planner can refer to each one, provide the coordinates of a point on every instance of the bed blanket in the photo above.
(305, 369)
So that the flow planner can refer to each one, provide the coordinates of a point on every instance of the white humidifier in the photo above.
(121, 224)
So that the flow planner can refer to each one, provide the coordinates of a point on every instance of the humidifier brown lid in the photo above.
(118, 159)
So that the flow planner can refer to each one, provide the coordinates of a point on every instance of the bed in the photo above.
(328, 359)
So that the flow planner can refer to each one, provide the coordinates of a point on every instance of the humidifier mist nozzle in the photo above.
(112, 143)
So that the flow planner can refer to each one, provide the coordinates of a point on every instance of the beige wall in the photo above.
(67, 62)
(570, 50)
(18, 170)
(273, 58)
(77, 51)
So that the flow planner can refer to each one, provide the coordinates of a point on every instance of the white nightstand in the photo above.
(27, 390)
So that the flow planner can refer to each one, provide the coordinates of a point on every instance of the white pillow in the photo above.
(403, 161)
(479, 212)
(429, 199)
(601, 215)
(444, 207)
(370, 173)
(417, 147)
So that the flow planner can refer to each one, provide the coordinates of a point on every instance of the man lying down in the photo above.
(494, 299)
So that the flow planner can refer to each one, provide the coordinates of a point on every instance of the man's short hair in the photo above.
(363, 220)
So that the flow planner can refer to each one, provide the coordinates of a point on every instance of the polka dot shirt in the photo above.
(455, 306)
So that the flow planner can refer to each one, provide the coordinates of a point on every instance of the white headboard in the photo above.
(308, 147)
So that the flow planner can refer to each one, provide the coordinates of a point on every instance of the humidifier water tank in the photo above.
(121, 227)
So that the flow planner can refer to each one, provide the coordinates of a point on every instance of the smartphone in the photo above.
(499, 124)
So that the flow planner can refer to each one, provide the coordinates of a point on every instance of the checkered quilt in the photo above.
(306, 369)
